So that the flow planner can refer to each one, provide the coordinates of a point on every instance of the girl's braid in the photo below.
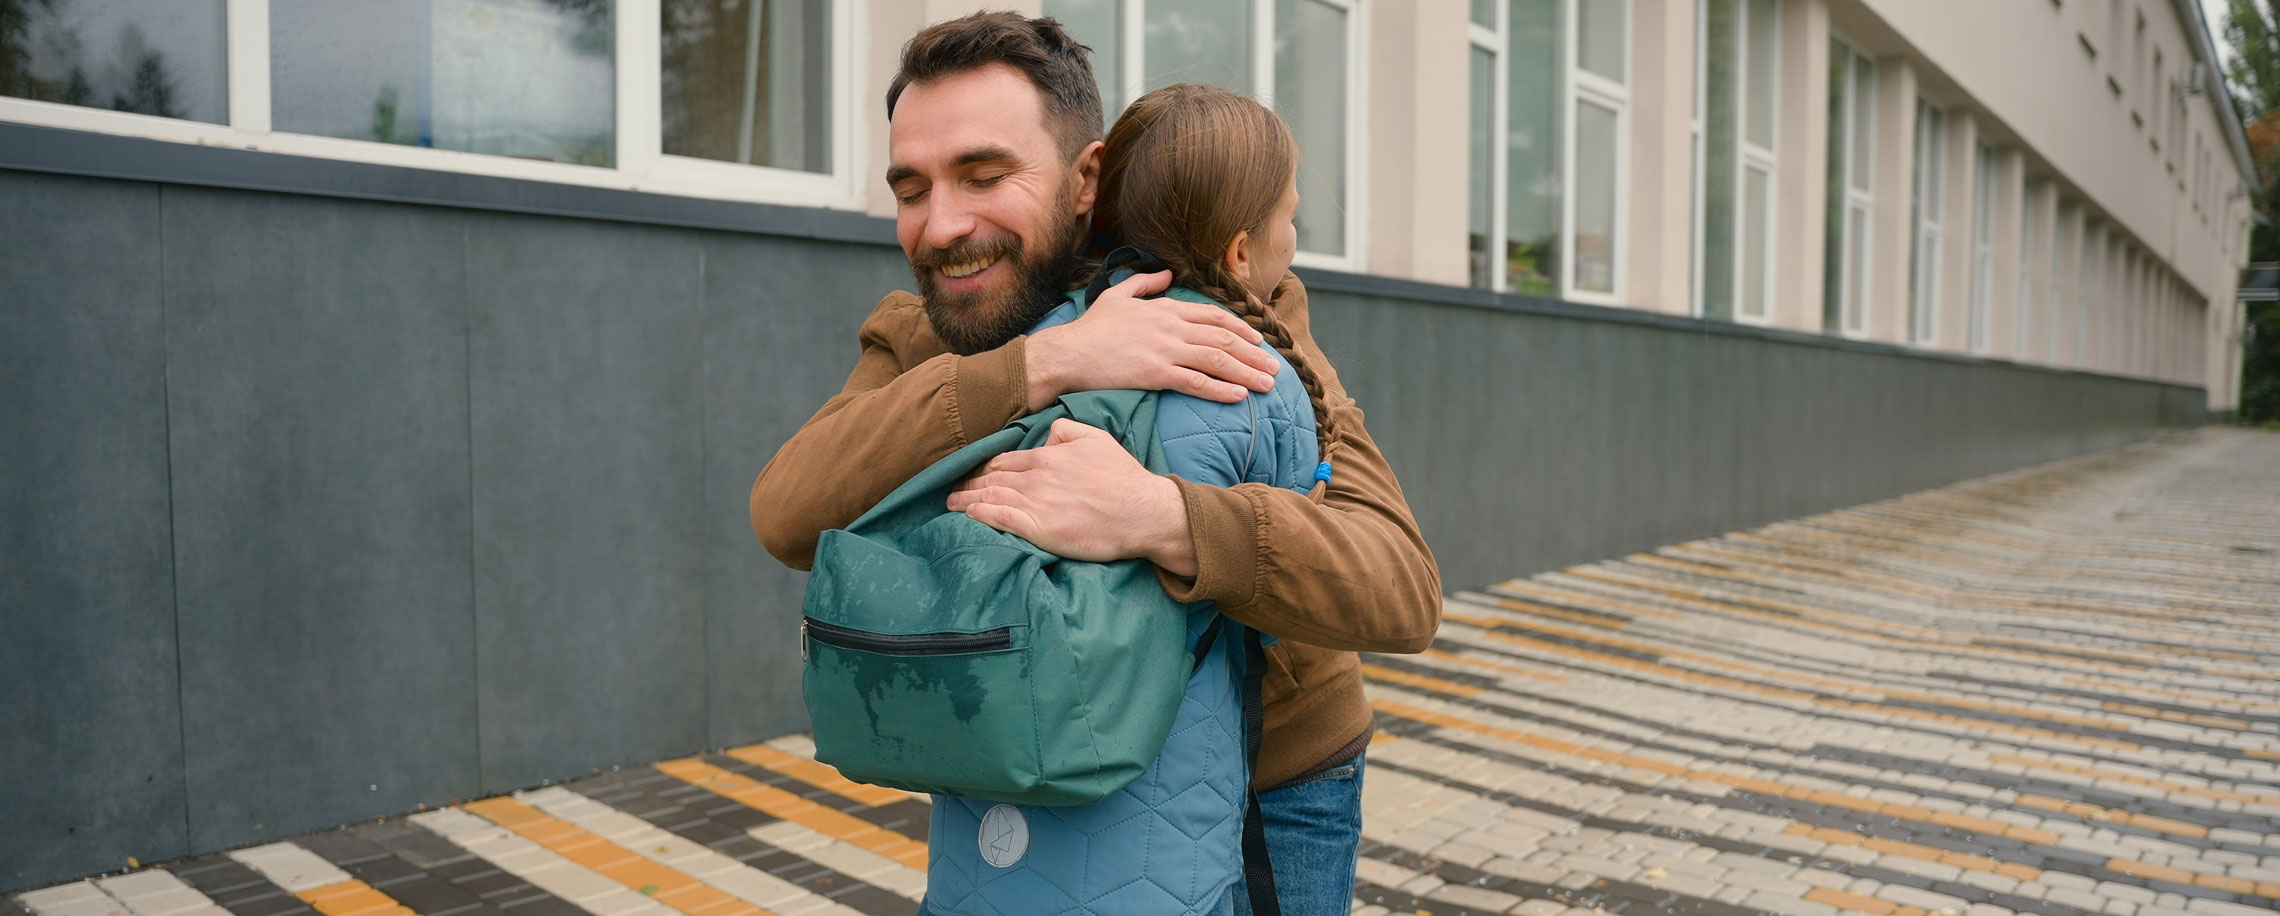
(1262, 318)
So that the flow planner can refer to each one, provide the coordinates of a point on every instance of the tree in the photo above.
(2253, 75)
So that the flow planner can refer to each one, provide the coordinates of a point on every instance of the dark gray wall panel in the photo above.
(91, 730)
(319, 425)
(779, 338)
(586, 376)
(1528, 442)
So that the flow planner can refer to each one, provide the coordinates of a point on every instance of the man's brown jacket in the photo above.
(1350, 574)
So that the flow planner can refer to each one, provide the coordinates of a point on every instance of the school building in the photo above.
(382, 381)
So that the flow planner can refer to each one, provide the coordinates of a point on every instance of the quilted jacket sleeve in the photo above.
(1351, 572)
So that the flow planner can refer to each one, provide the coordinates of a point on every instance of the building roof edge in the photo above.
(2190, 10)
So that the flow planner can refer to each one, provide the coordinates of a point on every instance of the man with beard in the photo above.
(994, 149)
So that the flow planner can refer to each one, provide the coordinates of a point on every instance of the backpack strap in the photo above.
(1258, 869)
(1203, 642)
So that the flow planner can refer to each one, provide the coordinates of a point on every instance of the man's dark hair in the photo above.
(1056, 64)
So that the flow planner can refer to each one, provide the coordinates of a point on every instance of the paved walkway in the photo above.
(2047, 692)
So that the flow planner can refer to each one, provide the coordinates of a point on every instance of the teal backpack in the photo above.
(944, 656)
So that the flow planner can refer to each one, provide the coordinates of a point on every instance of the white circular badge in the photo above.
(1005, 836)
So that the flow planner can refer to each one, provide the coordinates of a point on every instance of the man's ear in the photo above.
(1088, 177)
(1238, 255)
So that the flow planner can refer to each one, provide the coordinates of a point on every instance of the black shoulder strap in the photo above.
(1126, 258)
(1258, 870)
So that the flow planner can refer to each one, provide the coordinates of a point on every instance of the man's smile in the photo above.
(967, 276)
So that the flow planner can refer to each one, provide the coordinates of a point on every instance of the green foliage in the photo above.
(2260, 364)
(2253, 75)
(2253, 30)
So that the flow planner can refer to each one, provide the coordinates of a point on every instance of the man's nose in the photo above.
(948, 219)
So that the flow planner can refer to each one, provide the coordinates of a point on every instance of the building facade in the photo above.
(2055, 184)
(383, 381)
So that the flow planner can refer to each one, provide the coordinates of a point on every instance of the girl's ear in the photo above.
(1237, 258)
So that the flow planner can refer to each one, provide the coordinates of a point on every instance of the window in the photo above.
(2058, 249)
(524, 79)
(1924, 205)
(2086, 282)
(2022, 301)
(1547, 188)
(748, 85)
(1851, 189)
(730, 99)
(1299, 56)
(1982, 243)
(166, 58)
(1736, 232)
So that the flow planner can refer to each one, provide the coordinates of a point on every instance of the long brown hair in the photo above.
(1188, 168)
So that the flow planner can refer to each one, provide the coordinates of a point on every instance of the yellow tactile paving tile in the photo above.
(353, 898)
(781, 804)
(817, 774)
(1960, 722)
(659, 882)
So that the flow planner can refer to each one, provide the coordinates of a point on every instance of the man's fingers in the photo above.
(1067, 430)
(1191, 382)
(1240, 365)
(995, 495)
(1004, 518)
(1198, 313)
(1139, 285)
(1012, 461)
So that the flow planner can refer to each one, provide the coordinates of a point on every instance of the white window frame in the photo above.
(1577, 86)
(1582, 86)
(1131, 80)
(1491, 40)
(1748, 156)
(1924, 325)
(636, 59)
(1856, 200)
(1982, 246)
(1762, 159)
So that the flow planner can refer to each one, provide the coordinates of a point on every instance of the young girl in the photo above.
(1203, 182)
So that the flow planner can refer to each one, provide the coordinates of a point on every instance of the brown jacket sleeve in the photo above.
(1350, 573)
(908, 403)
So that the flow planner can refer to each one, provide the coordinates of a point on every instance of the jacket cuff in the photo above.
(1226, 526)
(989, 390)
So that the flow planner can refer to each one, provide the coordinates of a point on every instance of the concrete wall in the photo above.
(325, 500)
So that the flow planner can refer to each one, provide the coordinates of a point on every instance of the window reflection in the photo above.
(533, 79)
(748, 81)
(154, 57)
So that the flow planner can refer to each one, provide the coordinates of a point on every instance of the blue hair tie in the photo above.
(1322, 472)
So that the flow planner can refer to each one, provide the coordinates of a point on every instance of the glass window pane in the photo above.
(1534, 70)
(1863, 123)
(154, 57)
(1480, 210)
(1757, 207)
(1484, 12)
(1596, 158)
(1761, 51)
(1199, 41)
(1093, 22)
(533, 79)
(1721, 154)
(1310, 92)
(1833, 197)
(1599, 37)
(748, 81)
(1856, 264)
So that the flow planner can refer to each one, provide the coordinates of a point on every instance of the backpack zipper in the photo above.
(902, 644)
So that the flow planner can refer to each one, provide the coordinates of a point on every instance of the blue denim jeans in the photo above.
(1314, 827)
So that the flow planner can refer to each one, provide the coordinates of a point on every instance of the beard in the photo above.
(1038, 278)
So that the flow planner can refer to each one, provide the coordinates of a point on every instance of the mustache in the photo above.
(965, 250)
